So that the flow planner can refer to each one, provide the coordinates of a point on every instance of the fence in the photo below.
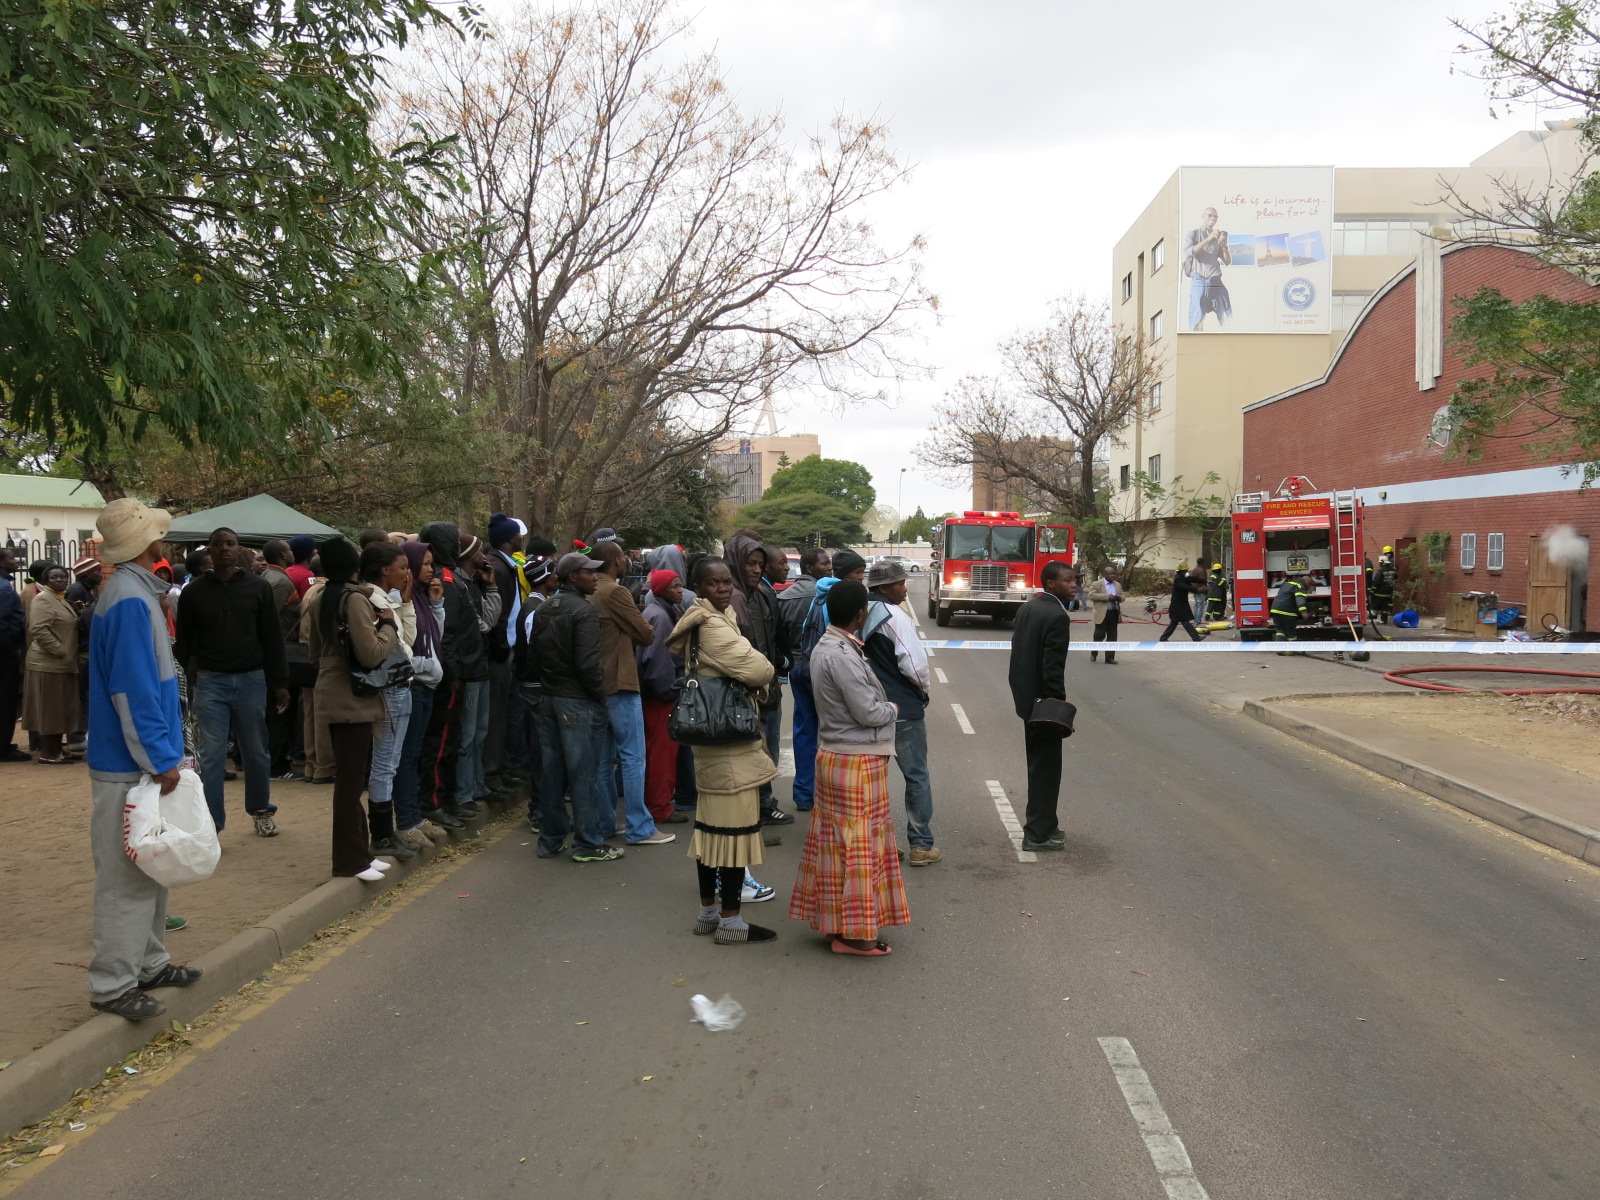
(65, 551)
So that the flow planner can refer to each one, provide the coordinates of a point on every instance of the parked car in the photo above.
(911, 565)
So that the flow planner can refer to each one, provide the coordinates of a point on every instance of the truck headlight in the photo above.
(1019, 584)
(958, 581)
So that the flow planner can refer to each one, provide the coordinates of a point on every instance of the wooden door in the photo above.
(1549, 587)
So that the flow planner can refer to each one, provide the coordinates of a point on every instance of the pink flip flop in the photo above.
(840, 946)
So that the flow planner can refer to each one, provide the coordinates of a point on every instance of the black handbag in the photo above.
(712, 710)
(1053, 716)
(394, 670)
(302, 671)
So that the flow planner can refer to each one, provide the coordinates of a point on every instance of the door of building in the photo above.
(1549, 587)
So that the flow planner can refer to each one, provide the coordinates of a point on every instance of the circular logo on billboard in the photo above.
(1299, 294)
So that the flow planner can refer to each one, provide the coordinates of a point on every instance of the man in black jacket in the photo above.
(465, 658)
(1038, 671)
(565, 658)
(503, 751)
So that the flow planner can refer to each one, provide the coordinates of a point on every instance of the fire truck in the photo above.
(989, 562)
(1295, 531)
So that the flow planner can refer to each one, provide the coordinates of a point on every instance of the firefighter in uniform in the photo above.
(1216, 593)
(1289, 609)
(1380, 588)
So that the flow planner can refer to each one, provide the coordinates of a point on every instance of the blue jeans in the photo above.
(624, 743)
(388, 739)
(223, 699)
(519, 724)
(572, 734)
(470, 782)
(772, 735)
(407, 809)
(911, 752)
(805, 743)
(525, 704)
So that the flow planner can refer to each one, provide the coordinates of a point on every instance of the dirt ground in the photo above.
(48, 886)
(1559, 730)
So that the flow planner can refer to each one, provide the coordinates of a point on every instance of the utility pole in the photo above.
(899, 513)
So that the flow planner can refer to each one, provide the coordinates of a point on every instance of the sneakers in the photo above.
(588, 854)
(1056, 841)
(176, 923)
(656, 839)
(925, 858)
(776, 816)
(291, 777)
(434, 833)
(132, 1005)
(265, 825)
(556, 853)
(172, 975)
(754, 891)
(533, 826)
(414, 838)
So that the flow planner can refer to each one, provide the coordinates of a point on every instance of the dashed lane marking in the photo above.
(961, 719)
(939, 674)
(1164, 1146)
(1008, 818)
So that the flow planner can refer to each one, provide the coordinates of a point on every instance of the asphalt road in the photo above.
(1338, 990)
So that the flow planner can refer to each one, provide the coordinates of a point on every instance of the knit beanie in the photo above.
(503, 529)
(660, 581)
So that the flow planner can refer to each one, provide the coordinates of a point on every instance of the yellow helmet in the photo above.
(1388, 549)
(1216, 566)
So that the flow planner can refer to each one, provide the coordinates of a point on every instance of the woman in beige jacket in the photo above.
(727, 825)
(342, 604)
(50, 693)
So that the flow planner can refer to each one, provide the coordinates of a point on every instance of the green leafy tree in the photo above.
(1163, 505)
(684, 510)
(803, 519)
(916, 527)
(847, 482)
(195, 220)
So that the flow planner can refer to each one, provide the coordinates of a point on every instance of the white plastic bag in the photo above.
(724, 1014)
(171, 838)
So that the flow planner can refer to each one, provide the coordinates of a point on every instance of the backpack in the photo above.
(816, 624)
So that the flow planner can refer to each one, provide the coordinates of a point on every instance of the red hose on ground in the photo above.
(1395, 677)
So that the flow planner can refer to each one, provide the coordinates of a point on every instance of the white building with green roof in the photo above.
(42, 516)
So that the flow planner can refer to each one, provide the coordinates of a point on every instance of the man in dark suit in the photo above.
(1038, 670)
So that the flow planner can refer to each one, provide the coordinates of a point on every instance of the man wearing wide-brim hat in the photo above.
(135, 729)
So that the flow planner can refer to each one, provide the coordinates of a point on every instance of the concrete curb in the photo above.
(34, 1086)
(1553, 831)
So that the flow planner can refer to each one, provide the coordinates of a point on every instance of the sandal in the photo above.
(840, 946)
(59, 761)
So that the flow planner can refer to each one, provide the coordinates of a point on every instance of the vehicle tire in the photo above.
(933, 604)
(942, 617)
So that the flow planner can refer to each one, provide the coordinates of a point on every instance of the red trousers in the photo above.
(660, 760)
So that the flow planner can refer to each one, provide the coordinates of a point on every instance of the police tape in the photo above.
(1274, 647)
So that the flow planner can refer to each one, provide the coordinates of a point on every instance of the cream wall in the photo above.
(1208, 378)
(32, 522)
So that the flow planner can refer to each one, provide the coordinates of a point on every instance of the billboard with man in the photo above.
(1255, 249)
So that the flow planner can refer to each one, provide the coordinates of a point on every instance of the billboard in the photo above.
(1254, 250)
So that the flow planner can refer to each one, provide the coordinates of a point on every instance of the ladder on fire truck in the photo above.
(1347, 559)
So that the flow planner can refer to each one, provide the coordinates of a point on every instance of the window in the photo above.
(52, 543)
(1384, 235)
(1157, 323)
(1158, 256)
(85, 536)
(1125, 477)
(1153, 470)
(1469, 551)
(1127, 286)
(1347, 307)
(1155, 397)
(1497, 552)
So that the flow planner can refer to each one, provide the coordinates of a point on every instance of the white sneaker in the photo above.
(371, 875)
(754, 891)
(378, 864)
(658, 839)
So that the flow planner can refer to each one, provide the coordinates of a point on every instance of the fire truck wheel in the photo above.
(942, 617)
(933, 604)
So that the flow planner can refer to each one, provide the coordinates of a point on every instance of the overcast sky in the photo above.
(1039, 130)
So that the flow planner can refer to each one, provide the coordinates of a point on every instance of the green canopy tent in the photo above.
(257, 520)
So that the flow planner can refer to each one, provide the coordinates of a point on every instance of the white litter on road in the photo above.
(724, 1014)
(1165, 1147)
(786, 763)
(1008, 818)
(961, 719)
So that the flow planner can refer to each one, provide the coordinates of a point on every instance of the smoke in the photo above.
(1567, 548)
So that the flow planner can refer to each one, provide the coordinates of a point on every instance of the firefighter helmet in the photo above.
(1388, 549)
(1216, 566)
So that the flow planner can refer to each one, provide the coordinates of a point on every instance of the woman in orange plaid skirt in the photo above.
(849, 886)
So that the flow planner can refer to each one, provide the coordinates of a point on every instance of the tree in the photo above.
(1064, 391)
(638, 263)
(916, 527)
(1542, 384)
(195, 221)
(685, 511)
(1129, 543)
(848, 482)
(803, 519)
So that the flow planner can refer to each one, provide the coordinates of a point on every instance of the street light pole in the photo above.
(899, 510)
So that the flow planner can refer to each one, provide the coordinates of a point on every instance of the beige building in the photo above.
(45, 517)
(751, 462)
(1245, 281)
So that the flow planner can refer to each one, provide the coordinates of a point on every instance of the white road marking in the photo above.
(1008, 818)
(1163, 1144)
(786, 763)
(961, 719)
(938, 673)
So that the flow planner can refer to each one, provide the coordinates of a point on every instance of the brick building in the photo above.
(1375, 422)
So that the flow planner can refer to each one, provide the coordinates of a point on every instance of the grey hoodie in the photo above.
(853, 714)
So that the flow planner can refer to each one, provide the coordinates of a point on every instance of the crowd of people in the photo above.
(420, 676)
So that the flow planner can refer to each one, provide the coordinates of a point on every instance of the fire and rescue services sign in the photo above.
(1295, 514)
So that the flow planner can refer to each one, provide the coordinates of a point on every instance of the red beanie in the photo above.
(660, 581)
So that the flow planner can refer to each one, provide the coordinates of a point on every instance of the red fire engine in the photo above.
(1276, 534)
(989, 562)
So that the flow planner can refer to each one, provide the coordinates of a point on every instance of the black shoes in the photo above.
(1056, 841)
(394, 848)
(743, 937)
(776, 816)
(446, 817)
(171, 975)
(132, 1005)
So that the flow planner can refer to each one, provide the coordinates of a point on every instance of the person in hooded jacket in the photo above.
(504, 751)
(660, 673)
(464, 656)
(755, 605)
(476, 579)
